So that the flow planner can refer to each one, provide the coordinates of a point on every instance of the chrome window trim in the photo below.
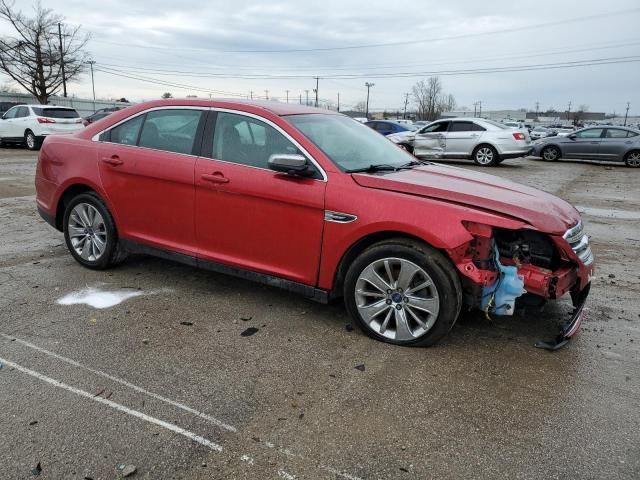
(96, 137)
(278, 129)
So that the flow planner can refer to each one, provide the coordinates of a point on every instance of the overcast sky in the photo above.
(160, 39)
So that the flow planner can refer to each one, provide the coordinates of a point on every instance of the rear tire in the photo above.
(632, 159)
(550, 154)
(486, 156)
(90, 232)
(30, 141)
(425, 298)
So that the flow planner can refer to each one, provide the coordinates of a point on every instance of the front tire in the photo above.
(550, 154)
(403, 292)
(31, 141)
(486, 156)
(90, 232)
(632, 159)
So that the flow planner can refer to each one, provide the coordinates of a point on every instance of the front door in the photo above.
(249, 216)
(582, 144)
(430, 142)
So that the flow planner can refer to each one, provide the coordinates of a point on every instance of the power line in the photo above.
(394, 44)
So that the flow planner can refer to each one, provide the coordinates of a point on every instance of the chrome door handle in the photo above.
(215, 177)
(113, 160)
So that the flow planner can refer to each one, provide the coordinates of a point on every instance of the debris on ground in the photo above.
(145, 341)
(126, 470)
(348, 327)
(187, 324)
(360, 367)
(37, 470)
(249, 331)
(33, 422)
(247, 318)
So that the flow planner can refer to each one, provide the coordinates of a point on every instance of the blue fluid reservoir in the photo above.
(503, 293)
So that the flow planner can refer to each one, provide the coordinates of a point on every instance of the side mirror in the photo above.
(291, 164)
(572, 136)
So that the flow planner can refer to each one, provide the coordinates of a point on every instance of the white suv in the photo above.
(485, 141)
(29, 124)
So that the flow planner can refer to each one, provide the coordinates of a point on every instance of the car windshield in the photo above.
(55, 112)
(348, 143)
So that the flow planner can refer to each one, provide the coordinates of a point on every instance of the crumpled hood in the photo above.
(541, 210)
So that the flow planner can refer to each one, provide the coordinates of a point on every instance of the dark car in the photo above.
(387, 127)
(99, 115)
(616, 144)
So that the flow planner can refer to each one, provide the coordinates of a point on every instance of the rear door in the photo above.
(615, 143)
(462, 137)
(250, 216)
(582, 144)
(431, 142)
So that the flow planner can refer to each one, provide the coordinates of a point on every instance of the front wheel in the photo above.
(486, 156)
(90, 232)
(403, 292)
(550, 154)
(632, 159)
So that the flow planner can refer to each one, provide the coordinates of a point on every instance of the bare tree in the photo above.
(446, 103)
(579, 114)
(430, 100)
(360, 106)
(167, 95)
(34, 57)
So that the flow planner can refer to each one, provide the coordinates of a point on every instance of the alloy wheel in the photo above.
(397, 299)
(87, 232)
(633, 159)
(484, 156)
(550, 154)
(31, 141)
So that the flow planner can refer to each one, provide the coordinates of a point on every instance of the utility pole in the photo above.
(338, 101)
(626, 114)
(537, 108)
(287, 95)
(569, 111)
(93, 85)
(406, 101)
(475, 109)
(266, 93)
(307, 100)
(251, 94)
(300, 99)
(64, 77)
(316, 89)
(368, 85)
(480, 108)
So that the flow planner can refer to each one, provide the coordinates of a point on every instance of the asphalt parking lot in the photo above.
(166, 384)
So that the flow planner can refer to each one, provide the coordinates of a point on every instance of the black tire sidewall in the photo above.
(434, 264)
(35, 140)
(496, 156)
(112, 235)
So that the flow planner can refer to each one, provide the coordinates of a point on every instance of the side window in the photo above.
(477, 128)
(11, 113)
(616, 133)
(126, 133)
(247, 141)
(171, 130)
(436, 127)
(631, 134)
(590, 133)
(461, 127)
(22, 112)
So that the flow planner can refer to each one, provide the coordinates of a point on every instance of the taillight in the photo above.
(519, 136)
(45, 120)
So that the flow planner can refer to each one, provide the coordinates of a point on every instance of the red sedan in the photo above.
(314, 202)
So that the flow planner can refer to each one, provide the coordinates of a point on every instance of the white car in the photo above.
(539, 132)
(485, 141)
(30, 124)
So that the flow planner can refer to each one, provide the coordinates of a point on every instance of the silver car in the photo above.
(617, 144)
(485, 141)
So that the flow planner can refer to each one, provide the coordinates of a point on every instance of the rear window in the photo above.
(496, 124)
(55, 112)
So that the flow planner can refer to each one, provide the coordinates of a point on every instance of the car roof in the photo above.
(45, 106)
(277, 108)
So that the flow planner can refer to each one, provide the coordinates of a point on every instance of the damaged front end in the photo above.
(502, 268)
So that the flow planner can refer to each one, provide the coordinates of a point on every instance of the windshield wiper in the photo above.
(384, 167)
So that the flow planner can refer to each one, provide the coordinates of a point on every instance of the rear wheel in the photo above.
(30, 140)
(486, 156)
(90, 232)
(550, 153)
(403, 292)
(633, 159)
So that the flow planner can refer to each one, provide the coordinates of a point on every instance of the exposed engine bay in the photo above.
(506, 269)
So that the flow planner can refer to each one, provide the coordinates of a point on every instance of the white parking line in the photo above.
(115, 406)
(186, 408)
